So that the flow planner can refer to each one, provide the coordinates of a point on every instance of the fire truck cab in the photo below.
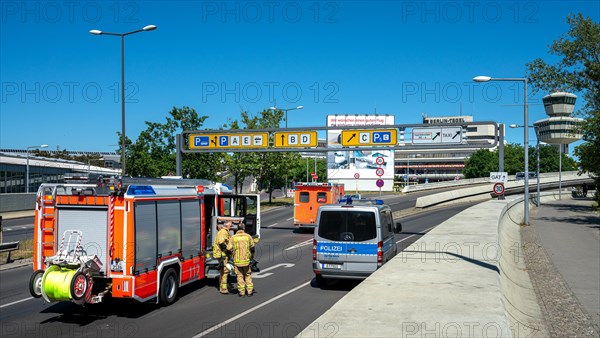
(140, 239)
(309, 196)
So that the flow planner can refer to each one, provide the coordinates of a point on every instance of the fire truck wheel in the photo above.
(35, 283)
(79, 286)
(168, 287)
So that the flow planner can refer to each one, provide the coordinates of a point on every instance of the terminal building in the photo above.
(19, 167)
(434, 165)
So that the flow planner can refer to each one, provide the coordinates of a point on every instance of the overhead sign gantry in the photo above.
(351, 138)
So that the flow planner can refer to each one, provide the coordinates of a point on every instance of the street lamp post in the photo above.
(27, 171)
(525, 136)
(286, 112)
(286, 125)
(122, 35)
(537, 147)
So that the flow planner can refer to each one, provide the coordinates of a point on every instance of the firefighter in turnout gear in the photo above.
(220, 252)
(241, 246)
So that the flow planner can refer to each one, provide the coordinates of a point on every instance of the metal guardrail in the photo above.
(475, 181)
(9, 247)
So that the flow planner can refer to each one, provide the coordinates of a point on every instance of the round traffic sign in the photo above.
(499, 188)
(357, 175)
(379, 160)
(379, 172)
(379, 183)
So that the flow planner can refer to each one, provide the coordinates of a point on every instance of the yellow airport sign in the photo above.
(300, 139)
(229, 141)
(369, 137)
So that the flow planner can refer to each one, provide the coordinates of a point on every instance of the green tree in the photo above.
(480, 164)
(298, 169)
(153, 154)
(483, 161)
(268, 168)
(578, 70)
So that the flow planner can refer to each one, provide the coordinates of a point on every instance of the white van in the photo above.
(351, 241)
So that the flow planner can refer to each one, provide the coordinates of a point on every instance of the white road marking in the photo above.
(403, 239)
(272, 225)
(301, 244)
(289, 219)
(8, 229)
(16, 302)
(263, 272)
(218, 326)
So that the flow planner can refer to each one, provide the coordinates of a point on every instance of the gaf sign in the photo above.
(499, 177)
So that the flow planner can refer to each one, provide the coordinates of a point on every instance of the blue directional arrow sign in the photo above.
(381, 137)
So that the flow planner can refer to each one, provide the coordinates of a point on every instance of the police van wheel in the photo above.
(321, 281)
(168, 287)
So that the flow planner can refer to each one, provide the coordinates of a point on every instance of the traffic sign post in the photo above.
(437, 135)
(368, 137)
(499, 190)
(379, 183)
(499, 177)
(229, 141)
(296, 139)
(356, 177)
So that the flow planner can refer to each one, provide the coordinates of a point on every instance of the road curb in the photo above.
(16, 264)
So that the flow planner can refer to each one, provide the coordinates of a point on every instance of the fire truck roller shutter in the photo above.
(93, 224)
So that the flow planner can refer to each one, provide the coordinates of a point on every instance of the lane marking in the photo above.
(272, 225)
(263, 273)
(289, 219)
(15, 302)
(218, 326)
(301, 244)
(403, 239)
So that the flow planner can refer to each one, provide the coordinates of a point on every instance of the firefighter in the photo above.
(241, 246)
(220, 252)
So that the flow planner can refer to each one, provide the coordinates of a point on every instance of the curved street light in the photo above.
(27, 171)
(286, 111)
(525, 136)
(122, 35)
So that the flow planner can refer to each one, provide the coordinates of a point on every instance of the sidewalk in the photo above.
(480, 273)
(564, 265)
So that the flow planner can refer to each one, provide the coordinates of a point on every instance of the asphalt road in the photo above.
(286, 300)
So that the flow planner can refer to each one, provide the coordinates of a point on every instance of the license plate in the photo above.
(331, 266)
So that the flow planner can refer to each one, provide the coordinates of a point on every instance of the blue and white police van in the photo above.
(351, 241)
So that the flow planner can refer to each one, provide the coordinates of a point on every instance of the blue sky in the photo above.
(60, 84)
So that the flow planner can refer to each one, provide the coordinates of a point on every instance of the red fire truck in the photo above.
(309, 196)
(140, 239)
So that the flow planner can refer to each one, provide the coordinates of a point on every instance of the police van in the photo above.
(351, 241)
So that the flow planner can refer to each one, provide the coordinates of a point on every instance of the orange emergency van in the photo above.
(309, 196)
(139, 239)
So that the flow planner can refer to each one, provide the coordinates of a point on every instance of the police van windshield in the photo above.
(347, 225)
